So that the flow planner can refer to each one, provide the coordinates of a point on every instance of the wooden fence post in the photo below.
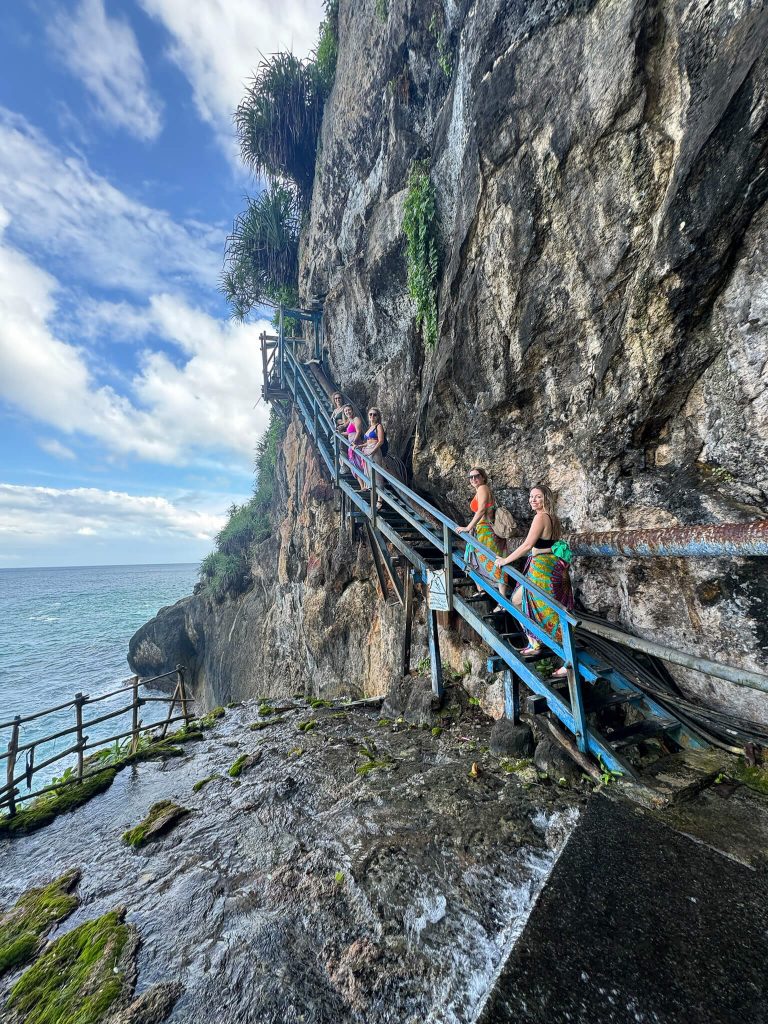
(135, 722)
(182, 693)
(13, 746)
(79, 701)
(171, 706)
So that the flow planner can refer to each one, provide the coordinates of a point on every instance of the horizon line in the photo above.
(94, 565)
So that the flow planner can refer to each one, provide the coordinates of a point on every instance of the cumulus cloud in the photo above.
(30, 515)
(61, 208)
(104, 54)
(173, 412)
(217, 45)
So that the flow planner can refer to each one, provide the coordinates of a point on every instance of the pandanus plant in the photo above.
(261, 255)
(278, 121)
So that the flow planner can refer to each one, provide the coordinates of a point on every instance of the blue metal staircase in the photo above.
(427, 542)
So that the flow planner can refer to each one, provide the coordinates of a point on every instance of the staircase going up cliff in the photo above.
(599, 685)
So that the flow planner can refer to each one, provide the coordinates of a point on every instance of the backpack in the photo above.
(504, 525)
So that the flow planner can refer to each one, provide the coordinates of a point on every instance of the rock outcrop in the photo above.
(601, 172)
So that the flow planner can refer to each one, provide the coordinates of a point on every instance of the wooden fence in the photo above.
(9, 793)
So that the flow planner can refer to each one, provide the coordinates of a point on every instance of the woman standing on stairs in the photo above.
(544, 568)
(354, 431)
(481, 527)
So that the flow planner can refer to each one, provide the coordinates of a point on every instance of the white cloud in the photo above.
(217, 44)
(172, 413)
(62, 209)
(56, 448)
(40, 515)
(104, 54)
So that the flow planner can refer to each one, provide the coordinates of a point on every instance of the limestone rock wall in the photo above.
(601, 170)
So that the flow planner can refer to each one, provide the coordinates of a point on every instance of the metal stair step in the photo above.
(630, 735)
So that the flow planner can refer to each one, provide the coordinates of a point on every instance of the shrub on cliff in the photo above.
(227, 570)
(421, 231)
(279, 120)
(327, 51)
(262, 254)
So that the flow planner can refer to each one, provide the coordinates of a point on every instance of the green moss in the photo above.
(437, 731)
(753, 776)
(296, 752)
(235, 704)
(204, 782)
(44, 809)
(158, 751)
(257, 726)
(307, 725)
(24, 926)
(238, 766)
(207, 721)
(383, 722)
(161, 818)
(265, 710)
(317, 703)
(78, 978)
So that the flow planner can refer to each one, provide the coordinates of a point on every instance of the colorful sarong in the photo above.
(478, 560)
(550, 574)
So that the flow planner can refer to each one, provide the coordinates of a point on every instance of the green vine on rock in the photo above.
(420, 227)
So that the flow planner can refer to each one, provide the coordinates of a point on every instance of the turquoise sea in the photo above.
(66, 630)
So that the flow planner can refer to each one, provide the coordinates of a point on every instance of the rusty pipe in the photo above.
(743, 540)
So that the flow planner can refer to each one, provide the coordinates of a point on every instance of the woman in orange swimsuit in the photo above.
(481, 527)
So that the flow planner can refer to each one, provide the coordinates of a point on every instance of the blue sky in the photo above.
(127, 395)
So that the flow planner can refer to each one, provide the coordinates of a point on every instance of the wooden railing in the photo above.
(9, 793)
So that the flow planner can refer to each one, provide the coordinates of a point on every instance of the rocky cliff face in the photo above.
(601, 171)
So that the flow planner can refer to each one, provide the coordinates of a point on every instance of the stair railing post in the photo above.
(448, 565)
(135, 718)
(13, 747)
(574, 686)
(314, 417)
(374, 495)
(336, 458)
(436, 665)
(280, 348)
(79, 701)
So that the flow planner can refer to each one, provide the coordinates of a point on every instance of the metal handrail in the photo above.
(425, 506)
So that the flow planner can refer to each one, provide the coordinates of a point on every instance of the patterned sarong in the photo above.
(550, 574)
(478, 560)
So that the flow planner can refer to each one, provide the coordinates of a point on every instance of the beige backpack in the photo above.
(504, 525)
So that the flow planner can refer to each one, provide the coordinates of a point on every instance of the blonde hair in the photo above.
(549, 507)
(375, 411)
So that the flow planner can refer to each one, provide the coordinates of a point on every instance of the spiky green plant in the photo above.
(279, 120)
(261, 258)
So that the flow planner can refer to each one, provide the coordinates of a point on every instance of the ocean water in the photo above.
(66, 630)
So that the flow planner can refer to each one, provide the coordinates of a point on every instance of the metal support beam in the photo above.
(436, 664)
(448, 565)
(408, 602)
(511, 697)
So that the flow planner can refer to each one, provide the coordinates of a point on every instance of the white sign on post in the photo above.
(437, 595)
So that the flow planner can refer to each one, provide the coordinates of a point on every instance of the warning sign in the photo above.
(437, 594)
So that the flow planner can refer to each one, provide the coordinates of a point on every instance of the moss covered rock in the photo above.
(242, 763)
(161, 819)
(43, 810)
(80, 977)
(24, 927)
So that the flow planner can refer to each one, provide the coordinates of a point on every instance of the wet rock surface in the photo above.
(639, 923)
(304, 890)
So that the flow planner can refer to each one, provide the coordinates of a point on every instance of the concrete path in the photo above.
(641, 924)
